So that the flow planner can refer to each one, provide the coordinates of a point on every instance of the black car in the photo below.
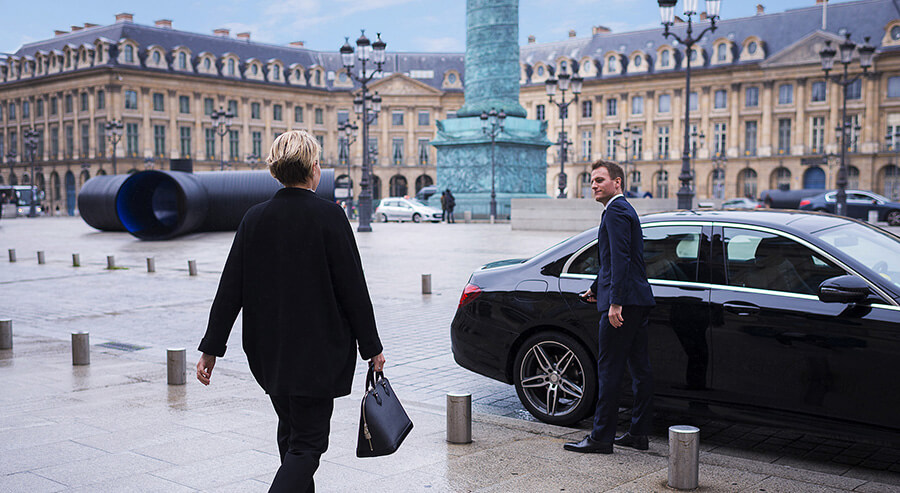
(859, 203)
(772, 316)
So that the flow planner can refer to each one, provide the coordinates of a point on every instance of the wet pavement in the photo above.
(116, 426)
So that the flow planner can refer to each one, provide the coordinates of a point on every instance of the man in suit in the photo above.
(624, 300)
(295, 271)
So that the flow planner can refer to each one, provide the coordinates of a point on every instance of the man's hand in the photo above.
(615, 316)
(378, 362)
(205, 368)
(589, 296)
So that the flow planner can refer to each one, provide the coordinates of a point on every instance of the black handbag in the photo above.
(383, 424)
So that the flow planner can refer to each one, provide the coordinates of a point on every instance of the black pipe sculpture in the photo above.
(161, 205)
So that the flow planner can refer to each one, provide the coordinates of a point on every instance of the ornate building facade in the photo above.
(762, 114)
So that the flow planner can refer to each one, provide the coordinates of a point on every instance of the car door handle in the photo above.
(742, 309)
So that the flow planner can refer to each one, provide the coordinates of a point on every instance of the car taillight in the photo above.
(470, 293)
(804, 202)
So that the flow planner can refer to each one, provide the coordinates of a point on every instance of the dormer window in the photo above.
(318, 78)
(540, 72)
(611, 63)
(693, 55)
(230, 67)
(638, 60)
(156, 57)
(721, 53)
(751, 48)
(253, 69)
(182, 61)
(452, 78)
(276, 72)
(206, 64)
(129, 54)
(343, 77)
(563, 66)
(664, 58)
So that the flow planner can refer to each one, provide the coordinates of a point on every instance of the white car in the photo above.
(403, 209)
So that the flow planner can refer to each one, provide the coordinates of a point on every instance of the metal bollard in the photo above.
(459, 418)
(192, 267)
(151, 264)
(467, 216)
(41, 259)
(5, 334)
(684, 457)
(110, 262)
(12, 254)
(81, 348)
(176, 365)
(76, 260)
(873, 217)
(426, 283)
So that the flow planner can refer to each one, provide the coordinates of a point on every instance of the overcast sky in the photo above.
(406, 25)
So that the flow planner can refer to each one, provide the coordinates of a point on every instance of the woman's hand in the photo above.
(378, 362)
(205, 368)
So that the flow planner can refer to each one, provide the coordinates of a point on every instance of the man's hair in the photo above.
(293, 157)
(614, 170)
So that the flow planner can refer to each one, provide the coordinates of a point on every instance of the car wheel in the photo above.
(384, 218)
(417, 218)
(893, 218)
(555, 378)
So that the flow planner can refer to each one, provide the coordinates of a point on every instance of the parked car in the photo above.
(769, 316)
(741, 203)
(426, 192)
(403, 209)
(859, 203)
(786, 199)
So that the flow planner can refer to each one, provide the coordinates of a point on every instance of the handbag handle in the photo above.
(372, 376)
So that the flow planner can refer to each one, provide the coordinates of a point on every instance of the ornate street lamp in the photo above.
(114, 135)
(627, 132)
(667, 14)
(348, 130)
(562, 82)
(222, 125)
(363, 105)
(719, 160)
(866, 53)
(492, 126)
(30, 140)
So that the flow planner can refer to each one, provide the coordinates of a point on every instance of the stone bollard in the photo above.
(151, 265)
(426, 283)
(41, 259)
(873, 217)
(110, 262)
(467, 217)
(176, 365)
(81, 348)
(684, 457)
(459, 417)
(12, 254)
(192, 267)
(76, 260)
(5, 334)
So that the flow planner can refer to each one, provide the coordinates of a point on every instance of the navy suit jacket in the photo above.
(622, 279)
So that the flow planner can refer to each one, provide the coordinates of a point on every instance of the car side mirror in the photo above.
(844, 289)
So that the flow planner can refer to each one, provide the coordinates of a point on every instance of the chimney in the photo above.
(57, 32)
(123, 17)
(760, 10)
(679, 20)
(221, 32)
(703, 16)
(76, 28)
(88, 25)
(820, 2)
(164, 24)
(531, 39)
(244, 37)
(571, 33)
(296, 44)
(600, 30)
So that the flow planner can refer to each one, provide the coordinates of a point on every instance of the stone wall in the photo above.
(575, 214)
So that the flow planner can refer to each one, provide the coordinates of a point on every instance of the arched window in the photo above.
(814, 177)
(611, 63)
(664, 58)
(721, 52)
(276, 72)
(156, 57)
(206, 64)
(890, 182)
(746, 184)
(230, 67)
(376, 188)
(129, 54)
(781, 179)
(253, 69)
(852, 177)
(423, 181)
(182, 61)
(398, 186)
(318, 77)
(638, 60)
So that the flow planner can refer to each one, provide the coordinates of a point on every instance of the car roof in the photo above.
(799, 221)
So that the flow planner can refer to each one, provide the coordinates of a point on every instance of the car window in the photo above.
(756, 259)
(858, 197)
(586, 263)
(671, 252)
(871, 247)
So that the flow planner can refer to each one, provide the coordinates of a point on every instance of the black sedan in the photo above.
(774, 316)
(859, 203)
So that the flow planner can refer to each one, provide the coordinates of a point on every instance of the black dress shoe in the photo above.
(639, 442)
(589, 446)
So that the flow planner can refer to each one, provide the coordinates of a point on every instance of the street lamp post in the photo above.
(719, 160)
(348, 131)
(30, 140)
(492, 126)
(667, 12)
(627, 132)
(866, 53)
(222, 124)
(363, 104)
(113, 135)
(562, 82)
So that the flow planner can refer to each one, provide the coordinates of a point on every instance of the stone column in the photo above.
(173, 134)
(76, 125)
(765, 148)
(199, 139)
(869, 138)
(800, 134)
(676, 132)
(835, 94)
(597, 144)
(93, 152)
(734, 132)
(410, 154)
(147, 128)
(704, 127)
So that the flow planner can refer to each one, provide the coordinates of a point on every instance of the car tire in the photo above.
(384, 218)
(893, 218)
(416, 218)
(572, 378)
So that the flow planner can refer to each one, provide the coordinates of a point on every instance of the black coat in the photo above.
(295, 270)
(622, 279)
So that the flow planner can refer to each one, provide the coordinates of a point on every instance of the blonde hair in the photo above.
(293, 157)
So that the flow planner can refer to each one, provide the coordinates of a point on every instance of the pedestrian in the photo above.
(444, 215)
(624, 300)
(295, 271)
(451, 203)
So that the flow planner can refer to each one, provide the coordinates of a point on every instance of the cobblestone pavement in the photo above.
(151, 312)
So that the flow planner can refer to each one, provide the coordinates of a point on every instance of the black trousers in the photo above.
(620, 346)
(303, 427)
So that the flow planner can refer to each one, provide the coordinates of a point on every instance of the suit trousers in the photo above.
(620, 346)
(303, 427)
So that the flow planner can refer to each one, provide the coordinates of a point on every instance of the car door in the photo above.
(676, 257)
(775, 345)
(859, 204)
